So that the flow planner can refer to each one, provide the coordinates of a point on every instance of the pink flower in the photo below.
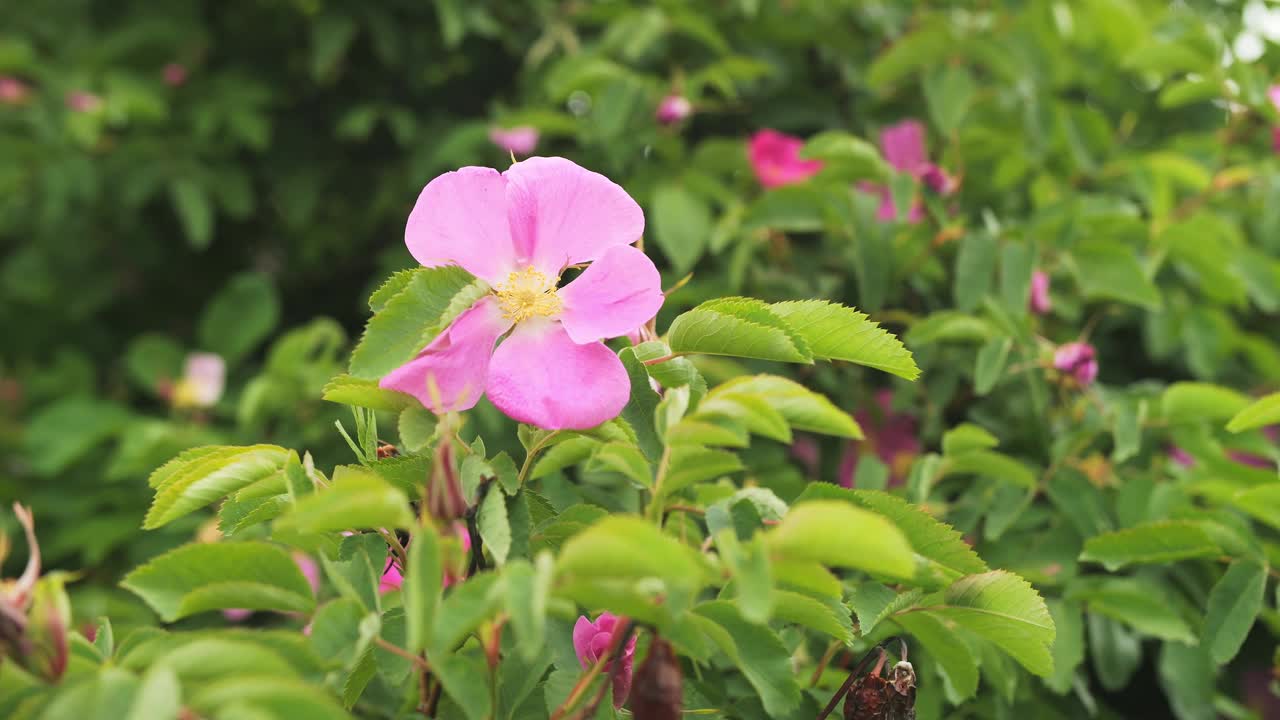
(903, 147)
(175, 74)
(391, 578)
(591, 641)
(518, 231)
(203, 380)
(81, 101)
(1078, 360)
(673, 109)
(1039, 302)
(519, 140)
(775, 157)
(13, 91)
(892, 436)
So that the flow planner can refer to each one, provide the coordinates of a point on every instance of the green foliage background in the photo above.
(251, 210)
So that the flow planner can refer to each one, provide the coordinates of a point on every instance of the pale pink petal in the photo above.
(519, 140)
(583, 632)
(449, 375)
(561, 214)
(237, 615)
(1273, 94)
(310, 570)
(903, 146)
(540, 376)
(205, 375)
(616, 294)
(461, 219)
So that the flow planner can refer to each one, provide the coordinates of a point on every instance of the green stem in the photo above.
(529, 458)
(655, 502)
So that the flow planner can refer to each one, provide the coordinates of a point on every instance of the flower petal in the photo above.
(903, 146)
(461, 218)
(453, 368)
(542, 377)
(583, 631)
(616, 294)
(562, 214)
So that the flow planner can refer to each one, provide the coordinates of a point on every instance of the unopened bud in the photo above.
(658, 693)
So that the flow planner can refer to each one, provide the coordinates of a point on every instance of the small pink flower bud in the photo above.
(673, 109)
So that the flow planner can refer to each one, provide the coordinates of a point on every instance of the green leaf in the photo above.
(1017, 263)
(462, 611)
(202, 476)
(965, 437)
(366, 393)
(758, 652)
(926, 46)
(1139, 605)
(219, 576)
(607, 550)
(640, 407)
(846, 156)
(421, 587)
(240, 316)
(690, 464)
(1110, 270)
(159, 696)
(1185, 402)
(411, 318)
(1232, 608)
(528, 592)
(152, 359)
(357, 498)
(464, 677)
(752, 575)
(1004, 609)
(988, 370)
(827, 616)
(929, 537)
(975, 269)
(953, 657)
(1261, 502)
(1189, 681)
(1068, 644)
(948, 90)
(195, 211)
(681, 225)
(495, 527)
(267, 697)
(839, 535)
(802, 408)
(836, 332)
(740, 327)
(988, 463)
(1158, 542)
(790, 208)
(1265, 411)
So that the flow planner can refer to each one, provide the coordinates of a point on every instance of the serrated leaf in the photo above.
(421, 587)
(462, 611)
(840, 535)
(217, 576)
(357, 498)
(1004, 609)
(410, 319)
(758, 652)
(1262, 412)
(202, 476)
(1232, 608)
(349, 390)
(988, 463)
(641, 404)
(827, 616)
(739, 327)
(1157, 542)
(954, 658)
(690, 464)
(802, 408)
(1195, 402)
(928, 536)
(495, 527)
(836, 332)
(606, 550)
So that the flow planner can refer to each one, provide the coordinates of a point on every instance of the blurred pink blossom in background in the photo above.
(775, 158)
(521, 140)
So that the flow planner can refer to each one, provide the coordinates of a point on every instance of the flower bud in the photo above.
(659, 686)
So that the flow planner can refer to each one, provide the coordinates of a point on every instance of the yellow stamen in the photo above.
(526, 294)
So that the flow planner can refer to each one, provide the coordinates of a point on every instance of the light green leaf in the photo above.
(270, 696)
(929, 537)
(690, 464)
(1106, 269)
(836, 332)
(607, 550)
(528, 591)
(465, 680)
(752, 575)
(202, 476)
(421, 587)
(468, 605)
(217, 576)
(195, 211)
(1068, 644)
(975, 269)
(846, 156)
(495, 527)
(988, 369)
(1136, 604)
(954, 658)
(1004, 609)
(837, 534)
(1185, 402)
(1265, 411)
(965, 437)
(988, 463)
(740, 327)
(802, 408)
(1157, 542)
(1233, 606)
(357, 498)
(411, 318)
(948, 90)
(366, 393)
(827, 615)
(159, 696)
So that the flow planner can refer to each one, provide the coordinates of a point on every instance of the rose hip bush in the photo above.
(724, 344)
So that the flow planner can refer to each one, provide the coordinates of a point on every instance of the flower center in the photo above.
(526, 294)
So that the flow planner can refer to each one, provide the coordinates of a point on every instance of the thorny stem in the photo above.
(584, 682)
